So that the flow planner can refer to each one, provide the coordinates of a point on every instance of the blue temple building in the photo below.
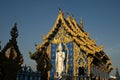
(78, 54)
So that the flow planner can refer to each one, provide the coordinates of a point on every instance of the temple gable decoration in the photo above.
(82, 56)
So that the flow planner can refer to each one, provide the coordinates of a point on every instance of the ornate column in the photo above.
(90, 59)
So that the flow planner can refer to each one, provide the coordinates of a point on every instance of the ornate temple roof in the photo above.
(79, 36)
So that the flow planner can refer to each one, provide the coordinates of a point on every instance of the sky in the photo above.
(36, 17)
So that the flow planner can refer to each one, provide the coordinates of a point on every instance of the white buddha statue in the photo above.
(60, 57)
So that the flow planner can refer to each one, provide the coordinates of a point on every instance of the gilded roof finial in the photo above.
(67, 13)
(36, 45)
(68, 16)
(60, 10)
(42, 36)
(81, 23)
(72, 16)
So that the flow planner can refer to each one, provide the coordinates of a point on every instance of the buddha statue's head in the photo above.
(60, 47)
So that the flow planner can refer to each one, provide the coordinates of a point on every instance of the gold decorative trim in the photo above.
(62, 37)
(81, 63)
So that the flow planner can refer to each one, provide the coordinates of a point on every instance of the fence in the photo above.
(26, 73)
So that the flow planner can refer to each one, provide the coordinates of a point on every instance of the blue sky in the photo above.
(36, 17)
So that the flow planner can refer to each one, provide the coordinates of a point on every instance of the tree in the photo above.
(10, 57)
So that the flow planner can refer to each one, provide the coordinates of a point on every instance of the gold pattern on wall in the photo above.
(81, 61)
(62, 36)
